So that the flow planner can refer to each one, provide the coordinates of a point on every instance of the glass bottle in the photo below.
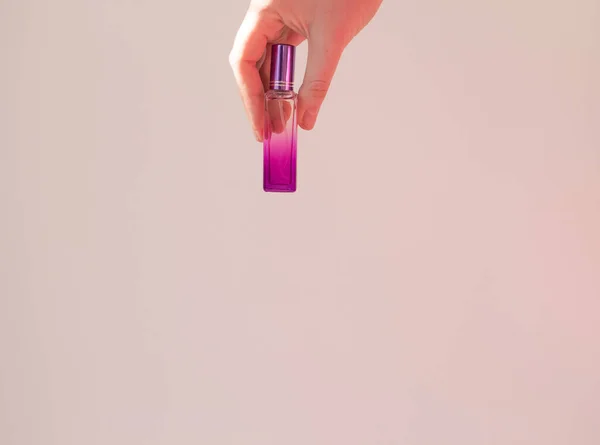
(281, 127)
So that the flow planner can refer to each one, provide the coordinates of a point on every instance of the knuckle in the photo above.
(318, 88)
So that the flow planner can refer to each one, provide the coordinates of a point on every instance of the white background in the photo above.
(435, 279)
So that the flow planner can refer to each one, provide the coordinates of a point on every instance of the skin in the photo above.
(327, 25)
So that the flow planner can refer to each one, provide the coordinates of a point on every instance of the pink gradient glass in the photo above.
(281, 128)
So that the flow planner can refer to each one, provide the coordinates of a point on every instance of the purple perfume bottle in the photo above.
(281, 131)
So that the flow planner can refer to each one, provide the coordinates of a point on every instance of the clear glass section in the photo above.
(280, 142)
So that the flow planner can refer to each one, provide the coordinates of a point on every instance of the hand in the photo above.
(328, 25)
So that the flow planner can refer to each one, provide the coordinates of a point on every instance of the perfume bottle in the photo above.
(281, 127)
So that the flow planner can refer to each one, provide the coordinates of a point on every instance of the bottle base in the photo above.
(279, 188)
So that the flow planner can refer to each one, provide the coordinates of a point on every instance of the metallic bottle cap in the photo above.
(282, 67)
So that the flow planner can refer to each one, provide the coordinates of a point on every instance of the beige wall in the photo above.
(435, 280)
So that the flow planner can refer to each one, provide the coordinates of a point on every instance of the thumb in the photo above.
(323, 58)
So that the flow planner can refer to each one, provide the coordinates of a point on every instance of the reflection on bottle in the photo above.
(280, 133)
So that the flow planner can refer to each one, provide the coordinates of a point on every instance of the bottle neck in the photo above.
(281, 85)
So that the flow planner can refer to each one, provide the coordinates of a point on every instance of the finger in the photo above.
(323, 58)
(248, 48)
(265, 66)
(279, 113)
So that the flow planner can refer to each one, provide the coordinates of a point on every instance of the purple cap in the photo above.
(282, 67)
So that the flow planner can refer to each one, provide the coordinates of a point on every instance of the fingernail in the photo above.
(258, 136)
(309, 119)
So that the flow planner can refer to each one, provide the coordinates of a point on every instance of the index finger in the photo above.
(248, 48)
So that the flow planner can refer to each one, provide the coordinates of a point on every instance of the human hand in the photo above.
(328, 25)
